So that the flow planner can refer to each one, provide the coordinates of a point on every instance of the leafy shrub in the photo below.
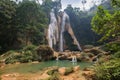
(112, 47)
(117, 54)
(44, 52)
(109, 70)
(7, 54)
(27, 54)
(13, 58)
(29, 48)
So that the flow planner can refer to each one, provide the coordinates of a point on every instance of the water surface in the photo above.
(36, 67)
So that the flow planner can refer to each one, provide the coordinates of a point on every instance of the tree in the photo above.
(47, 5)
(8, 29)
(106, 23)
(116, 3)
(31, 22)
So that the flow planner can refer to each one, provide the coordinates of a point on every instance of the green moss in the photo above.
(55, 76)
(52, 72)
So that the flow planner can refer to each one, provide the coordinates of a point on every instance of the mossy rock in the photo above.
(69, 70)
(54, 77)
(52, 72)
(44, 52)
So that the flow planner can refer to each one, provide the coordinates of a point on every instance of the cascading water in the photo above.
(62, 30)
(53, 32)
(65, 20)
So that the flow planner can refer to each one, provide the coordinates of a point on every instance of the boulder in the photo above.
(62, 70)
(76, 68)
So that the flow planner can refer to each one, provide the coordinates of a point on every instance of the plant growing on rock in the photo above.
(44, 52)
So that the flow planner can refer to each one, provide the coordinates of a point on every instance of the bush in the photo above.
(44, 52)
(112, 47)
(13, 58)
(8, 53)
(29, 48)
(109, 70)
(27, 54)
(117, 54)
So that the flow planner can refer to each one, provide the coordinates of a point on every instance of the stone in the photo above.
(62, 70)
(76, 68)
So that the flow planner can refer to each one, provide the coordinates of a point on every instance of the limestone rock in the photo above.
(76, 68)
(62, 70)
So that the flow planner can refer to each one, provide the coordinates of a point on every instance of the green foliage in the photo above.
(52, 72)
(109, 70)
(29, 47)
(53, 75)
(112, 47)
(8, 29)
(13, 58)
(116, 55)
(21, 24)
(47, 5)
(27, 54)
(44, 52)
(31, 22)
(116, 3)
(106, 24)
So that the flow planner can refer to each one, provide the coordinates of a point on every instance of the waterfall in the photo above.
(52, 30)
(62, 30)
(74, 59)
(55, 30)
(65, 20)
